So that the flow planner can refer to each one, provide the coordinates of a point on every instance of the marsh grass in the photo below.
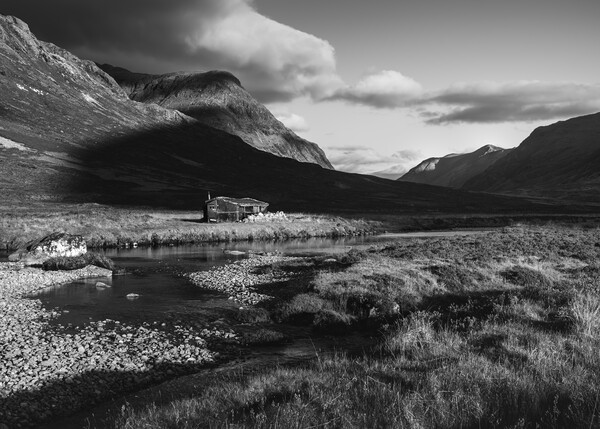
(585, 311)
(104, 226)
(503, 339)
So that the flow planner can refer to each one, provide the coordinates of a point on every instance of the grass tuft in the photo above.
(585, 311)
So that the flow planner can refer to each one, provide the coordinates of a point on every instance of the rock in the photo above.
(234, 252)
(60, 244)
(102, 285)
(50, 246)
(132, 296)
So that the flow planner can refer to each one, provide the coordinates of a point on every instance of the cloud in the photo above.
(383, 89)
(274, 61)
(366, 160)
(522, 101)
(293, 121)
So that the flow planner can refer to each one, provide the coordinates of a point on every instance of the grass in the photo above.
(495, 331)
(104, 226)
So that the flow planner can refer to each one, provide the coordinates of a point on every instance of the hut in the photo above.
(225, 209)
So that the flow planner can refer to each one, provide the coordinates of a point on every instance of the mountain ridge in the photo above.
(218, 99)
(70, 134)
(560, 160)
(453, 170)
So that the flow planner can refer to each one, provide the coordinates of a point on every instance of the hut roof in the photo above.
(243, 202)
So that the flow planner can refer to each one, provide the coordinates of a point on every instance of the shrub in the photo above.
(456, 278)
(523, 276)
(303, 304)
(352, 257)
(332, 321)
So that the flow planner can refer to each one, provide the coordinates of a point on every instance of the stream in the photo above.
(155, 274)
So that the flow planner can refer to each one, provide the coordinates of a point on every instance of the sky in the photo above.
(381, 85)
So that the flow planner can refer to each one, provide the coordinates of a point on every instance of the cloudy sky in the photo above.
(378, 85)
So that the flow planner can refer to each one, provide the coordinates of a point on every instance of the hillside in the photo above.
(69, 133)
(561, 160)
(455, 169)
(217, 99)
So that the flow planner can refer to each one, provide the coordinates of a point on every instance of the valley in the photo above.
(463, 294)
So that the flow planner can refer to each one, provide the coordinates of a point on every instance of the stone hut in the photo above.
(226, 209)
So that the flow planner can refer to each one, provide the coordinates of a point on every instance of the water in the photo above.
(155, 273)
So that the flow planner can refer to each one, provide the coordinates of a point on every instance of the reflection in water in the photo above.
(155, 274)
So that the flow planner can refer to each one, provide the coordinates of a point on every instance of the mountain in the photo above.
(561, 160)
(69, 133)
(455, 169)
(217, 99)
(392, 173)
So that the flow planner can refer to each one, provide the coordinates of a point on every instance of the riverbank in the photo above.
(494, 330)
(104, 226)
(49, 370)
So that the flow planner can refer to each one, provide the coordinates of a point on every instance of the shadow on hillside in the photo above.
(177, 166)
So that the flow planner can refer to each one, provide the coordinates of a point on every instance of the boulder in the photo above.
(102, 285)
(53, 245)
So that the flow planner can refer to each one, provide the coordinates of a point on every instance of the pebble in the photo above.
(57, 370)
(239, 278)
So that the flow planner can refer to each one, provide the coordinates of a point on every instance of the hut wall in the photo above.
(219, 210)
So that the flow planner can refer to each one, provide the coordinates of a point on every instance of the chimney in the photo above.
(209, 195)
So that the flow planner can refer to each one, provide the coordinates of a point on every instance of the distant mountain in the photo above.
(69, 133)
(392, 173)
(561, 160)
(217, 99)
(455, 169)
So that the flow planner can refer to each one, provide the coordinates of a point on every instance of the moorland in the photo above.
(495, 330)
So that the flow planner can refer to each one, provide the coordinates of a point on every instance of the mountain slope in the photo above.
(455, 169)
(69, 133)
(217, 99)
(561, 160)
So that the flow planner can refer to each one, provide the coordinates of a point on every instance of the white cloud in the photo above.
(273, 57)
(366, 160)
(382, 89)
(293, 121)
(521, 101)
(479, 102)
(275, 62)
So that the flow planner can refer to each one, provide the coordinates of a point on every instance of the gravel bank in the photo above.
(49, 370)
(239, 278)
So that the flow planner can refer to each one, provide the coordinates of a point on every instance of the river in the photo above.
(155, 274)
